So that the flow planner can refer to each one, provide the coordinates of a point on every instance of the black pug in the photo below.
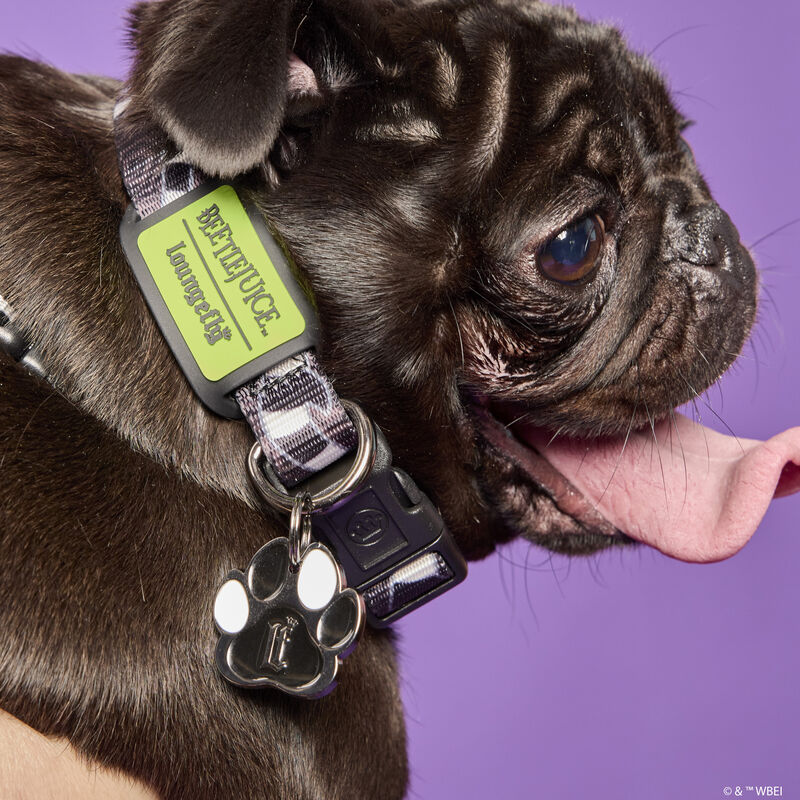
(508, 243)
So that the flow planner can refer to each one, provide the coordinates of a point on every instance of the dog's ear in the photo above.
(218, 75)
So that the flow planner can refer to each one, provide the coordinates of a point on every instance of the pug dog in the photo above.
(519, 273)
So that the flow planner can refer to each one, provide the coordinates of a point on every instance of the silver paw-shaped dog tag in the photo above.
(287, 626)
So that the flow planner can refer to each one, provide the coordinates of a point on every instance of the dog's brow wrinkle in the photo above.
(603, 153)
(569, 140)
(446, 76)
(388, 70)
(417, 131)
(497, 105)
(555, 99)
(404, 125)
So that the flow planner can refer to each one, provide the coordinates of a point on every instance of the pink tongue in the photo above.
(696, 495)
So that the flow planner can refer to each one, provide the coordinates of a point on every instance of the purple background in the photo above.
(628, 674)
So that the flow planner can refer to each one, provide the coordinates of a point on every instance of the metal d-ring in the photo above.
(360, 468)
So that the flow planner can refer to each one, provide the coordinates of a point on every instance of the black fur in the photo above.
(443, 144)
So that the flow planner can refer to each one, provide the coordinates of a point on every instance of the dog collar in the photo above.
(244, 333)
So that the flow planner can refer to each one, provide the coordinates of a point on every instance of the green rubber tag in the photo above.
(219, 284)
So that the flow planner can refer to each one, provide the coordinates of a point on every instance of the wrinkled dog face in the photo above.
(505, 233)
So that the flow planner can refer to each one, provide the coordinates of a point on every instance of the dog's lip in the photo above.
(565, 496)
(690, 492)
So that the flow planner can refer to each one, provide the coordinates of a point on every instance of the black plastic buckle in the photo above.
(389, 538)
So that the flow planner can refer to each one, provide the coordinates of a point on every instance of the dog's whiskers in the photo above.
(767, 293)
(526, 574)
(520, 418)
(705, 402)
(621, 452)
(593, 565)
(702, 355)
(774, 269)
(497, 308)
(699, 419)
(674, 424)
(685, 93)
(458, 330)
(85, 535)
(554, 436)
(766, 236)
(139, 570)
(672, 35)
(300, 25)
(658, 453)
(509, 595)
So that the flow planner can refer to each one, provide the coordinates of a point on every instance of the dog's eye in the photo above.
(574, 252)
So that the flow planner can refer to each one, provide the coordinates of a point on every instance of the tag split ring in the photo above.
(278, 497)
(300, 528)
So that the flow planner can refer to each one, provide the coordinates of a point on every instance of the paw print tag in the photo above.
(288, 621)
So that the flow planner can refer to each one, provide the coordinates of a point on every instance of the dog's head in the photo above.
(506, 236)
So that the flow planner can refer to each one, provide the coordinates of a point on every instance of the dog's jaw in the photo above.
(530, 496)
